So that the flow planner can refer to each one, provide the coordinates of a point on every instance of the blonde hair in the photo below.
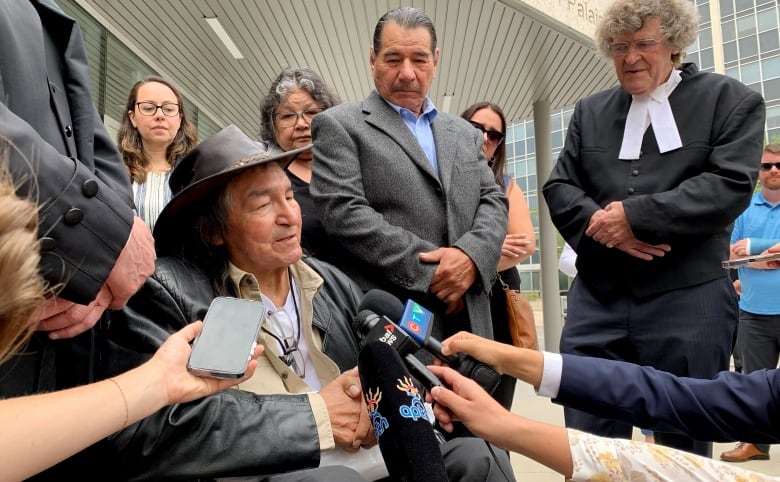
(21, 284)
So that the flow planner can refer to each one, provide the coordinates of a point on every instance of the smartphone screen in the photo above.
(230, 329)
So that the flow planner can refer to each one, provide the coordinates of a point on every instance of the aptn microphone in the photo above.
(416, 321)
(401, 423)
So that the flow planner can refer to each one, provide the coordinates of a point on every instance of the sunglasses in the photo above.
(494, 138)
(765, 166)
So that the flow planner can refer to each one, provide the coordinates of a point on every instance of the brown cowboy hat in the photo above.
(202, 173)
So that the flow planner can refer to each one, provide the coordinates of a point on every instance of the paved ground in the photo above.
(529, 405)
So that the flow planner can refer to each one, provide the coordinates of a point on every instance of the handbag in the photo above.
(520, 317)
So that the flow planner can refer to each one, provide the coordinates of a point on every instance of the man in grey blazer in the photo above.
(405, 189)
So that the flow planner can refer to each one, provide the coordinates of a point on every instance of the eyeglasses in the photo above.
(494, 138)
(642, 45)
(147, 108)
(765, 166)
(289, 119)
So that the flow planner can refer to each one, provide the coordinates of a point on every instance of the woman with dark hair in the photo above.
(520, 241)
(154, 134)
(294, 98)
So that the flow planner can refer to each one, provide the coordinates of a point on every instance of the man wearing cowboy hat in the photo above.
(233, 229)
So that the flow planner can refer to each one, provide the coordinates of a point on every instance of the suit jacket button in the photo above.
(635, 172)
(48, 244)
(69, 131)
(630, 190)
(73, 216)
(90, 188)
(438, 191)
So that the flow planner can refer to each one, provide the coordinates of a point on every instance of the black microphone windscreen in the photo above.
(399, 418)
(382, 303)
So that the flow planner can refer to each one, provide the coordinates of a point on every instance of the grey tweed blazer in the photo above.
(382, 202)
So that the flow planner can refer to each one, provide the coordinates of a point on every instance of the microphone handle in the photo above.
(434, 346)
(421, 372)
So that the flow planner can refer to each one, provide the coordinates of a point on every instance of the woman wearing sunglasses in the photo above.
(519, 243)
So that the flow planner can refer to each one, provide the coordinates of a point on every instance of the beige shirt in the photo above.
(273, 376)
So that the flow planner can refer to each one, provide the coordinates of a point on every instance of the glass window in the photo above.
(532, 185)
(756, 87)
(531, 145)
(750, 73)
(567, 117)
(730, 53)
(726, 7)
(771, 67)
(740, 5)
(520, 147)
(529, 128)
(705, 39)
(557, 139)
(704, 13)
(748, 46)
(733, 72)
(533, 201)
(707, 61)
(519, 131)
(728, 31)
(767, 19)
(531, 164)
(772, 89)
(746, 26)
(769, 40)
(510, 150)
(522, 182)
(773, 117)
(522, 167)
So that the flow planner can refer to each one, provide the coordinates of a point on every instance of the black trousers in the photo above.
(688, 332)
(759, 342)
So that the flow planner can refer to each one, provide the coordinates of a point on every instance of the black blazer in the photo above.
(688, 197)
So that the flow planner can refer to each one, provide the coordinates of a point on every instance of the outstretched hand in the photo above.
(487, 351)
(181, 386)
(467, 402)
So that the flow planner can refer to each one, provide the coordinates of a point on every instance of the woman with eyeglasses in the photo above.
(520, 241)
(294, 98)
(154, 134)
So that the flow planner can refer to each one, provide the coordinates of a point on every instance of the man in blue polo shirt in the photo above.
(755, 230)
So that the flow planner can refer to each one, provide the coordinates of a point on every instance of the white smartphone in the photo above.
(224, 347)
(754, 258)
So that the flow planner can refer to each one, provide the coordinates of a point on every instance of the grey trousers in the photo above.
(467, 459)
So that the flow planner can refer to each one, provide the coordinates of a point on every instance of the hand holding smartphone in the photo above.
(754, 258)
(226, 342)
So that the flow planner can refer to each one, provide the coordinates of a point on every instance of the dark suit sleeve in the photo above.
(233, 432)
(731, 406)
(570, 206)
(86, 221)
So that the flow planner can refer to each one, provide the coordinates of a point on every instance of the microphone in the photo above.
(416, 321)
(371, 327)
(399, 418)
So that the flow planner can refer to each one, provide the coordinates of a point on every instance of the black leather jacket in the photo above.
(233, 432)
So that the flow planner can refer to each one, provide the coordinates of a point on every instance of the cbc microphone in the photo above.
(417, 321)
(399, 418)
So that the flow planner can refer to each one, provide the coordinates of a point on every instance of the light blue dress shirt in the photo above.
(421, 128)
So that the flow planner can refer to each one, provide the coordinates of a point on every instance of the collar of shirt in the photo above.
(421, 128)
(652, 109)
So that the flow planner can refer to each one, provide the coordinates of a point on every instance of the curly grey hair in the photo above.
(290, 80)
(679, 23)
